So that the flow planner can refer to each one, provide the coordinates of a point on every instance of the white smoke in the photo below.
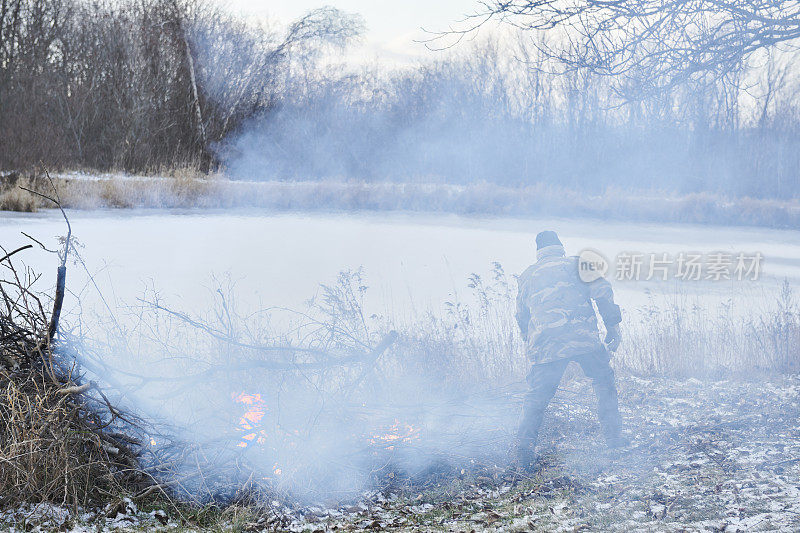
(352, 406)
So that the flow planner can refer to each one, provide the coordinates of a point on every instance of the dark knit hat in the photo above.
(547, 238)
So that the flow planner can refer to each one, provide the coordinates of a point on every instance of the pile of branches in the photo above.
(59, 435)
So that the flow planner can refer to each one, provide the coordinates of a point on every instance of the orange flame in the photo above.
(250, 420)
(397, 433)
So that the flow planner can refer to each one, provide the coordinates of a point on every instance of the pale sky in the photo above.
(392, 26)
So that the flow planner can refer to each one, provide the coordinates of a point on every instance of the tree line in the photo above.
(140, 85)
(148, 85)
(499, 111)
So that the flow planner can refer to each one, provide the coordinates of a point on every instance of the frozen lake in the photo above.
(412, 263)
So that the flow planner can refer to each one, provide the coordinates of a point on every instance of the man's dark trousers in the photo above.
(544, 379)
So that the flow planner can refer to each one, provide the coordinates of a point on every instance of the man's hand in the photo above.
(613, 338)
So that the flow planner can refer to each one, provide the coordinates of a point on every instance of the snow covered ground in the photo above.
(705, 456)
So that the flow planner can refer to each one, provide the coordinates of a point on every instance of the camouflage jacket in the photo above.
(554, 308)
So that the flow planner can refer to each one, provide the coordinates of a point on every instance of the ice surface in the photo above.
(413, 262)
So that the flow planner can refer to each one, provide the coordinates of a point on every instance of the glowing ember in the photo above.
(250, 420)
(397, 433)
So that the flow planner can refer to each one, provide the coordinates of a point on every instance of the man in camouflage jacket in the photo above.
(559, 325)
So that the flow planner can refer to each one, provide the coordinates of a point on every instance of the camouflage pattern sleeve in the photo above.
(603, 295)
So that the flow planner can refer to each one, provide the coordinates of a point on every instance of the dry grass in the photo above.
(13, 198)
(681, 339)
(476, 343)
(182, 189)
(18, 200)
(48, 453)
(188, 188)
(56, 442)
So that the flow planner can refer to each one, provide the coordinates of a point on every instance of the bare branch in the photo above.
(652, 44)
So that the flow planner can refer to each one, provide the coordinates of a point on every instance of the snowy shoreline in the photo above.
(87, 191)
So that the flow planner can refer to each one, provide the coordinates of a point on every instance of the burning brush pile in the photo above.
(268, 418)
(316, 410)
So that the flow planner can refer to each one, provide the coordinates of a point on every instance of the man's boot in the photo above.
(526, 455)
(618, 441)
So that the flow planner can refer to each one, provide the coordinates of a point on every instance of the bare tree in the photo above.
(242, 66)
(141, 85)
(651, 44)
